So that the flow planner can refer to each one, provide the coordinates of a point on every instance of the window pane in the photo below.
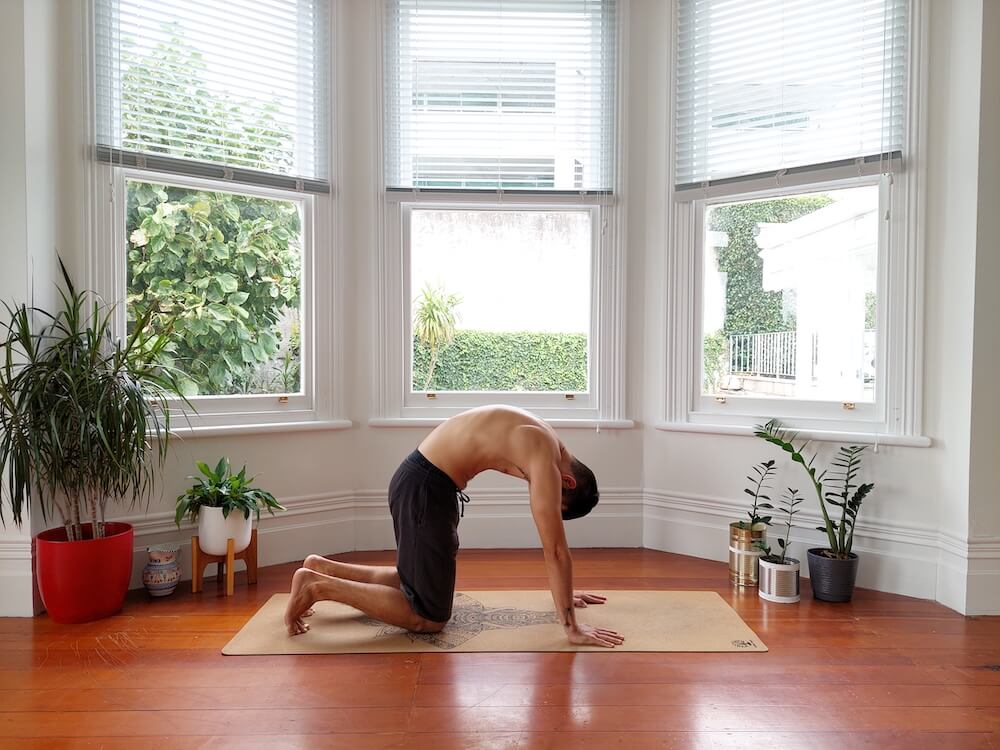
(493, 94)
(789, 296)
(764, 85)
(223, 272)
(244, 84)
(501, 300)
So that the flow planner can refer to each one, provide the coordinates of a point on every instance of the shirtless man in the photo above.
(424, 496)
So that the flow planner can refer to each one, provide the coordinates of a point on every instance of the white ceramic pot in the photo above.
(214, 530)
(779, 583)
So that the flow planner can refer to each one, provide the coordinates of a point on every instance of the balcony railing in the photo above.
(765, 355)
(772, 355)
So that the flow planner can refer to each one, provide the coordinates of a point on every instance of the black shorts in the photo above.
(424, 502)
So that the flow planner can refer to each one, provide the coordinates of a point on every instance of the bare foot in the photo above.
(299, 602)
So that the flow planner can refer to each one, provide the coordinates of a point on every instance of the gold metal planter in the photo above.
(744, 553)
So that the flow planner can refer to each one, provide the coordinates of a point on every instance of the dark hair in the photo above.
(580, 500)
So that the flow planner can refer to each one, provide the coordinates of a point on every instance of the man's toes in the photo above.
(308, 613)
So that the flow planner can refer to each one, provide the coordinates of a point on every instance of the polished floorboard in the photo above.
(883, 671)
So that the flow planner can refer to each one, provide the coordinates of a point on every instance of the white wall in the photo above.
(673, 491)
(15, 544)
(984, 480)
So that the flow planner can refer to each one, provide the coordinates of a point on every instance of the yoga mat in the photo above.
(509, 621)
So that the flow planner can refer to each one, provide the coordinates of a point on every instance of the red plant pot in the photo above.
(85, 580)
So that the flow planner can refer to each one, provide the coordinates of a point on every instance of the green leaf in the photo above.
(249, 264)
(227, 282)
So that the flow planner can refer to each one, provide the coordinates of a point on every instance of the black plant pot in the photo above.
(832, 579)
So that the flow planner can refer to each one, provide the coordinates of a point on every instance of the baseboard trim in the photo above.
(897, 558)
(16, 578)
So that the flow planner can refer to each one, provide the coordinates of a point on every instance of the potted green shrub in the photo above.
(222, 502)
(833, 570)
(77, 409)
(779, 573)
(746, 537)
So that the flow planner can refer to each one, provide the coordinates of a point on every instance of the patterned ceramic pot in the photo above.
(163, 571)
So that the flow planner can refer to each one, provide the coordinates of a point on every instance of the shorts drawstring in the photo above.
(462, 500)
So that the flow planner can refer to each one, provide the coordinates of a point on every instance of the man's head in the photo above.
(579, 495)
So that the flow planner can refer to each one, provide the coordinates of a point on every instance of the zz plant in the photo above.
(837, 487)
(789, 508)
(758, 484)
(220, 488)
(78, 407)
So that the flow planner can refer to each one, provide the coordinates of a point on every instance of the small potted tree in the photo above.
(221, 502)
(77, 409)
(779, 573)
(746, 537)
(833, 570)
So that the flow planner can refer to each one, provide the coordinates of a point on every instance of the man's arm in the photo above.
(546, 503)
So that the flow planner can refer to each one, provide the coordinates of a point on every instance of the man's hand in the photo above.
(585, 635)
(582, 599)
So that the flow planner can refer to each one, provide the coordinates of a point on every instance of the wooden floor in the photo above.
(882, 672)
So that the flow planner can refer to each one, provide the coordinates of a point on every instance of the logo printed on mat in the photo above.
(739, 643)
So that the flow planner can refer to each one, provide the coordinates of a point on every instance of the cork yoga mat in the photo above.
(509, 621)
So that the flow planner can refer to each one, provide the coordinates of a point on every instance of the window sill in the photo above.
(258, 429)
(602, 424)
(837, 436)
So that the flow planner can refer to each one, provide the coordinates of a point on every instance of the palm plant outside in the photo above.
(434, 322)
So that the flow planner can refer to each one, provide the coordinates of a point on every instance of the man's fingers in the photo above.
(611, 635)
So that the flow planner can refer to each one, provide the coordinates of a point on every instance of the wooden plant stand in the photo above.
(199, 559)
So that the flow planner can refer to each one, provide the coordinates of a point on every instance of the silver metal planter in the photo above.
(744, 552)
(779, 582)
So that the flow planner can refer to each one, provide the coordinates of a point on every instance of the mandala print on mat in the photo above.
(469, 618)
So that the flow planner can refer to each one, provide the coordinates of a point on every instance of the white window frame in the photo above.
(320, 401)
(397, 402)
(895, 415)
(394, 402)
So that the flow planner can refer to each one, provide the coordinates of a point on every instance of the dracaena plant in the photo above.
(220, 488)
(764, 470)
(837, 486)
(78, 407)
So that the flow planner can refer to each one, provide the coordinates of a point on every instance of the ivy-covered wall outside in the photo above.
(515, 361)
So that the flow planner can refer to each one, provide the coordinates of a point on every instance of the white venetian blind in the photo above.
(771, 85)
(500, 94)
(232, 89)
